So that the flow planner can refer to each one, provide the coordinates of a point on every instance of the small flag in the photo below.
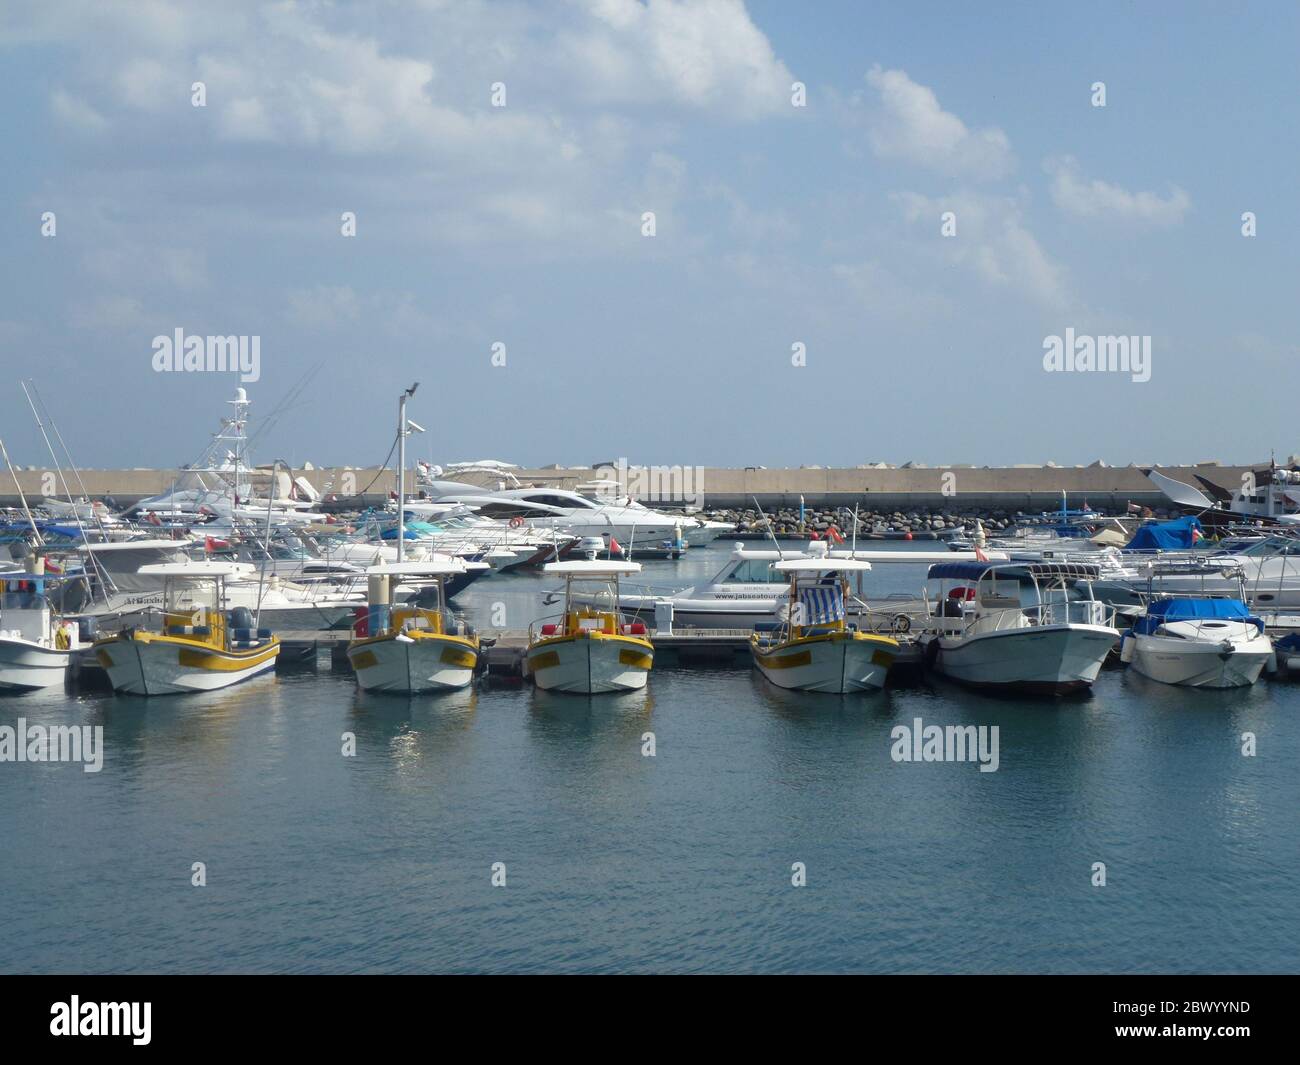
(614, 547)
(980, 556)
(834, 534)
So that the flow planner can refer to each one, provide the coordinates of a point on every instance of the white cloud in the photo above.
(323, 307)
(1094, 198)
(76, 113)
(994, 243)
(704, 54)
(910, 125)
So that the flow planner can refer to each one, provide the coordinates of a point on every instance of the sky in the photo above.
(865, 271)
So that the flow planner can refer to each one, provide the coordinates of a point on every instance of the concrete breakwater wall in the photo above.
(983, 489)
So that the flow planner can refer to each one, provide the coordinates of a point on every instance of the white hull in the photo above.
(154, 668)
(27, 665)
(1051, 659)
(408, 666)
(1200, 664)
(834, 666)
(588, 666)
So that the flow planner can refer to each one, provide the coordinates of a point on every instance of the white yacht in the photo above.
(625, 519)
(1033, 627)
(746, 591)
(1199, 643)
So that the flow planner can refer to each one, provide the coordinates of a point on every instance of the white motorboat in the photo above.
(590, 647)
(746, 590)
(36, 646)
(1199, 643)
(625, 519)
(813, 648)
(125, 578)
(1033, 627)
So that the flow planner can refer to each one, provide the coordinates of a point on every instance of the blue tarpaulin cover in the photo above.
(1176, 535)
(1163, 610)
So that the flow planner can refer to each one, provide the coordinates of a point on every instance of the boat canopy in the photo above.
(1164, 610)
(974, 571)
(821, 565)
(593, 568)
(191, 569)
(1177, 535)
(437, 568)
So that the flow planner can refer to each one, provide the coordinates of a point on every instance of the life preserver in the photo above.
(516, 522)
(902, 623)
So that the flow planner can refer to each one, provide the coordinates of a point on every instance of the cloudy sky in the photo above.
(774, 225)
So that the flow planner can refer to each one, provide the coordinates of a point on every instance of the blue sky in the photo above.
(775, 225)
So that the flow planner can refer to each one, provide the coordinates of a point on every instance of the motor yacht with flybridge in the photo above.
(813, 647)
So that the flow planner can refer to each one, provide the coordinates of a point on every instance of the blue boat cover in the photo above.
(1177, 535)
(1162, 610)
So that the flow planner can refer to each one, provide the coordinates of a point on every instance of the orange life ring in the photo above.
(516, 522)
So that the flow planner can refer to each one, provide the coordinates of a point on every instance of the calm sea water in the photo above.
(681, 862)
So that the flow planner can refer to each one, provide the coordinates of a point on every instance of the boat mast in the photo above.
(402, 432)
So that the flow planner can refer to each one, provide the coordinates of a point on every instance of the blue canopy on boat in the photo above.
(1176, 535)
(1163, 610)
(957, 571)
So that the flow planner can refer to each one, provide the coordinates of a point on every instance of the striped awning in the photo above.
(821, 604)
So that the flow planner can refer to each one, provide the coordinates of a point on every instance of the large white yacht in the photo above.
(624, 518)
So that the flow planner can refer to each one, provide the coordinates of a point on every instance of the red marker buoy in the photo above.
(907, 536)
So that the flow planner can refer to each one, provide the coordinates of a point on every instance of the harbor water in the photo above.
(607, 859)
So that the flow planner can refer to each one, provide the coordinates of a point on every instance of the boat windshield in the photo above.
(753, 571)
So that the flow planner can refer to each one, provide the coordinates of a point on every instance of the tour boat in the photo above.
(199, 646)
(1200, 643)
(813, 648)
(1033, 626)
(410, 649)
(35, 645)
(747, 589)
(591, 647)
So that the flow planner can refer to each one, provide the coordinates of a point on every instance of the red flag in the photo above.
(614, 547)
(834, 534)
(980, 556)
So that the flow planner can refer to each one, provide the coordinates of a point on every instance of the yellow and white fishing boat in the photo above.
(199, 647)
(591, 647)
(812, 648)
(408, 648)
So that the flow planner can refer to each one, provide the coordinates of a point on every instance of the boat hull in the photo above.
(163, 666)
(415, 664)
(1038, 659)
(1197, 664)
(840, 663)
(26, 666)
(590, 663)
